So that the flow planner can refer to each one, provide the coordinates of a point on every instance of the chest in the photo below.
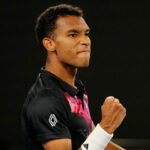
(80, 122)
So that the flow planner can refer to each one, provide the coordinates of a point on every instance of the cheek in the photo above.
(66, 47)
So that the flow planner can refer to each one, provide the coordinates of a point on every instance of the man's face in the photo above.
(72, 41)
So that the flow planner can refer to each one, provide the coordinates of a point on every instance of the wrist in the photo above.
(108, 128)
(97, 140)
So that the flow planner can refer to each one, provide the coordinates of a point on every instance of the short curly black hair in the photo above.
(46, 22)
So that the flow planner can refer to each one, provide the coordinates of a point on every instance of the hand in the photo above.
(113, 114)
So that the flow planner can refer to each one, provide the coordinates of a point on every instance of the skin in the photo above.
(68, 50)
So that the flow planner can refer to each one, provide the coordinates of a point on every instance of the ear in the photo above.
(49, 44)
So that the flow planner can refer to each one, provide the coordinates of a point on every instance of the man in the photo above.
(55, 114)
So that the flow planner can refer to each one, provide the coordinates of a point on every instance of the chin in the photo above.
(80, 64)
(84, 65)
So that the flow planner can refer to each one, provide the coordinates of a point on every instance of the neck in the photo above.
(63, 71)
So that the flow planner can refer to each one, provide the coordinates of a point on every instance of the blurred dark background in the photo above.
(120, 34)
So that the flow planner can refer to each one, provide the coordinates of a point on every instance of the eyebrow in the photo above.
(76, 31)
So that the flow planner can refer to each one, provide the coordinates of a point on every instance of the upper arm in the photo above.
(48, 118)
(58, 144)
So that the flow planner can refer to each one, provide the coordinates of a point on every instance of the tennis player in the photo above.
(56, 115)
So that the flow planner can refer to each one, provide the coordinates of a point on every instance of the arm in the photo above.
(107, 123)
(111, 145)
(65, 144)
(59, 144)
(89, 144)
(113, 114)
(49, 120)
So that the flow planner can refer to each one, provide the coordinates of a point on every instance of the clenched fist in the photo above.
(113, 114)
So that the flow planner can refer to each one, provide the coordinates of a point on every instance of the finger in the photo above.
(109, 99)
(116, 100)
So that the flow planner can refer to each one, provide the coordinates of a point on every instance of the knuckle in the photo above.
(102, 107)
(116, 100)
(109, 98)
(119, 106)
(124, 109)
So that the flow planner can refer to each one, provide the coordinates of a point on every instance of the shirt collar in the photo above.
(64, 85)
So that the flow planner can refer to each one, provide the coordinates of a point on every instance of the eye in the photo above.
(87, 34)
(73, 35)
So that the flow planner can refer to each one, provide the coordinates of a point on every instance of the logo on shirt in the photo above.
(52, 120)
(86, 146)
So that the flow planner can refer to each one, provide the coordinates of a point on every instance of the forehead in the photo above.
(71, 22)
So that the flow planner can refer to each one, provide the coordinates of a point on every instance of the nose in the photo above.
(85, 40)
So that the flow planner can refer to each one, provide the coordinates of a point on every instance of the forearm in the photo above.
(113, 146)
(97, 140)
